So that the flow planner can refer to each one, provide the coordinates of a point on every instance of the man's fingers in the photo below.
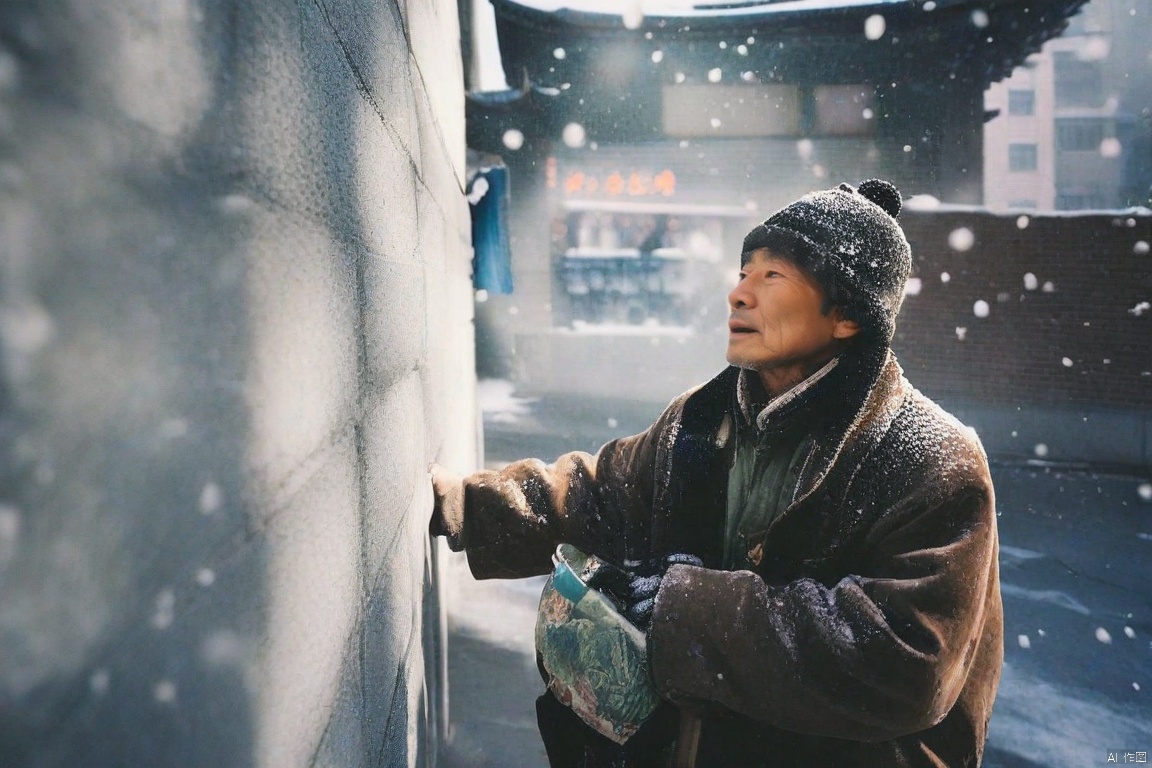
(640, 614)
(682, 558)
(644, 587)
(447, 517)
(609, 578)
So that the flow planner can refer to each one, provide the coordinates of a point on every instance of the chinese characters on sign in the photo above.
(1121, 756)
(613, 183)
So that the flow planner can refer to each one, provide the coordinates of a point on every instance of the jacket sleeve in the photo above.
(871, 657)
(514, 518)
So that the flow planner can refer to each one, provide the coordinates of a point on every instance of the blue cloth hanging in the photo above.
(488, 198)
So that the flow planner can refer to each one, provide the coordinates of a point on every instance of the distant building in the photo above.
(1073, 124)
(895, 87)
(641, 148)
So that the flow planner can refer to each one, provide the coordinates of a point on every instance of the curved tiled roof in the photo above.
(789, 41)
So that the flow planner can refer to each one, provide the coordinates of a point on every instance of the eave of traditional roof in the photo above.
(794, 41)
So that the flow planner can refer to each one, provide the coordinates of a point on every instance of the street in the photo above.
(1075, 549)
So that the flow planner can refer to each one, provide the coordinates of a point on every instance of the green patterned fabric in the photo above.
(596, 660)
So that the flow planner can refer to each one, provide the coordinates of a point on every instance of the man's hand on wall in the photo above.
(447, 507)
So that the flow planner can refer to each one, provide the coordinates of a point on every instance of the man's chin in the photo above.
(740, 361)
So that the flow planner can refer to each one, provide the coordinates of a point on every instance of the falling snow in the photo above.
(164, 691)
(573, 135)
(961, 239)
(513, 139)
(1110, 148)
(99, 681)
(211, 498)
(164, 613)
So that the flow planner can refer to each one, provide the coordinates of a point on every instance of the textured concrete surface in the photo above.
(235, 328)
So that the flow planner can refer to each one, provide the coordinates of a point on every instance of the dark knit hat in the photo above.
(849, 240)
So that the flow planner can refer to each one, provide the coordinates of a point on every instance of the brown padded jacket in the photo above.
(870, 633)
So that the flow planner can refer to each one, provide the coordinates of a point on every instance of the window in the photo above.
(1021, 102)
(843, 110)
(1079, 83)
(1077, 201)
(1079, 135)
(715, 111)
(1021, 157)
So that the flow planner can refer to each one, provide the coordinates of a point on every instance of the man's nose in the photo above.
(742, 297)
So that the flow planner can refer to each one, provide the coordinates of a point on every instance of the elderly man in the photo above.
(826, 589)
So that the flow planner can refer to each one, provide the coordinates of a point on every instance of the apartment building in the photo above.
(1071, 128)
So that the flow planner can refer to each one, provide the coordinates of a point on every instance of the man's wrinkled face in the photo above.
(775, 322)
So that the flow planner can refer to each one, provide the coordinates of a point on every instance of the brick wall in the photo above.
(1063, 324)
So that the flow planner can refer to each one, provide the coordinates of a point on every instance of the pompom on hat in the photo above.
(849, 240)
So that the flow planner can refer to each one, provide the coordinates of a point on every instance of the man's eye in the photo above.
(771, 273)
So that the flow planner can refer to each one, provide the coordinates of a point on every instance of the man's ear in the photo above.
(843, 328)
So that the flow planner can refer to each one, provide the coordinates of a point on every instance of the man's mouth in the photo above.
(735, 327)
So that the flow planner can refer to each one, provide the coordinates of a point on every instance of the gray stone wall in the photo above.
(235, 328)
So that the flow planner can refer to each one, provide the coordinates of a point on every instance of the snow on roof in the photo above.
(682, 8)
(928, 203)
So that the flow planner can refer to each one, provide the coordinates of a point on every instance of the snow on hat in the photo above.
(849, 240)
